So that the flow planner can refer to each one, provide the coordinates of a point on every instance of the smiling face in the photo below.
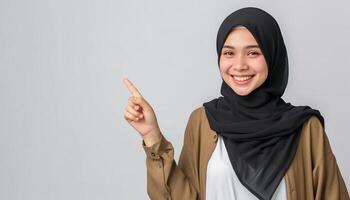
(242, 64)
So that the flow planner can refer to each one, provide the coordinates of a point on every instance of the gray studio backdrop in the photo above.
(62, 131)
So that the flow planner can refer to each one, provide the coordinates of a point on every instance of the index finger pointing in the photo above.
(132, 88)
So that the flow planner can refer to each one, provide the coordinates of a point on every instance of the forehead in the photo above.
(240, 35)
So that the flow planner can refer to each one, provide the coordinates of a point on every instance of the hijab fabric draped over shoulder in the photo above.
(260, 130)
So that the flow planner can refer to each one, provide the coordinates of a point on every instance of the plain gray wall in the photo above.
(62, 131)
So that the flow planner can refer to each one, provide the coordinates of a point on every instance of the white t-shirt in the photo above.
(222, 182)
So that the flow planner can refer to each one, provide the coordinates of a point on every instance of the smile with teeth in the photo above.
(242, 78)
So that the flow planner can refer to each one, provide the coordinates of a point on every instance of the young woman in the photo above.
(249, 143)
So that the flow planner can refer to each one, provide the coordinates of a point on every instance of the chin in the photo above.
(242, 93)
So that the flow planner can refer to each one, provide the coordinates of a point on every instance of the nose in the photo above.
(240, 64)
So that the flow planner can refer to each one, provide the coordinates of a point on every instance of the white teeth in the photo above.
(242, 78)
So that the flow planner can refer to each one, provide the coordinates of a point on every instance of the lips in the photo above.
(242, 79)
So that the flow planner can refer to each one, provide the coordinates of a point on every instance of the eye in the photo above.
(228, 53)
(254, 53)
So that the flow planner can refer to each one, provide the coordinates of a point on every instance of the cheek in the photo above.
(263, 73)
(260, 66)
(224, 65)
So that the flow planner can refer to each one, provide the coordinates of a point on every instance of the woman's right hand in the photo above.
(140, 115)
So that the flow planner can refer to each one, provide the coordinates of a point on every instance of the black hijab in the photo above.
(261, 132)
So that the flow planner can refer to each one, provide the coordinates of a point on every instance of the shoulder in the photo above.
(314, 121)
(194, 118)
(314, 138)
(198, 111)
(313, 129)
(197, 115)
(197, 122)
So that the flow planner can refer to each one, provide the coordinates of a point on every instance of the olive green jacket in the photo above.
(313, 174)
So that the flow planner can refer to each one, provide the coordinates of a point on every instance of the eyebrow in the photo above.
(246, 47)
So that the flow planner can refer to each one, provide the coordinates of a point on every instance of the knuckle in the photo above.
(130, 114)
(126, 114)
(130, 111)
(128, 118)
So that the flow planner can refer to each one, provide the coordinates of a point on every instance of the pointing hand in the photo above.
(140, 115)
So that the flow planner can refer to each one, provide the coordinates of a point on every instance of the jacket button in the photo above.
(154, 156)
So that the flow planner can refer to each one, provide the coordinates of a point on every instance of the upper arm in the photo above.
(327, 179)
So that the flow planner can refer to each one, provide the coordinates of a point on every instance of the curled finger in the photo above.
(133, 111)
(130, 117)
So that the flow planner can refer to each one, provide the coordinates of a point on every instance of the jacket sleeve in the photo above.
(328, 181)
(166, 179)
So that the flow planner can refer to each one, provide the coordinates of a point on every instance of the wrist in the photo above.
(152, 137)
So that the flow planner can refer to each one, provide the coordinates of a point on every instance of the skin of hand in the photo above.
(140, 115)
